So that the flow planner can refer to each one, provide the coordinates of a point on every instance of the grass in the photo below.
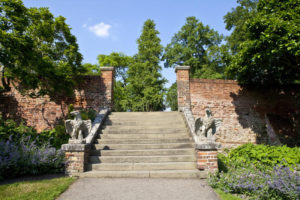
(41, 189)
(226, 196)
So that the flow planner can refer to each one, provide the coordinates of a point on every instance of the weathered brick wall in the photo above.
(43, 113)
(242, 110)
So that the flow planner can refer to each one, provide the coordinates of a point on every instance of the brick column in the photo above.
(183, 87)
(207, 156)
(76, 158)
(107, 78)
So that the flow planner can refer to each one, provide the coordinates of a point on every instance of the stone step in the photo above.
(142, 166)
(143, 136)
(143, 141)
(141, 159)
(149, 152)
(145, 127)
(139, 114)
(144, 174)
(143, 146)
(145, 131)
(143, 122)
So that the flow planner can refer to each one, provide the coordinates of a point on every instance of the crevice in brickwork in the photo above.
(280, 106)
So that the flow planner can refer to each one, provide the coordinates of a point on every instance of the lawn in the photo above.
(41, 189)
(226, 196)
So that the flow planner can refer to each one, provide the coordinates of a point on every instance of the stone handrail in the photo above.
(96, 125)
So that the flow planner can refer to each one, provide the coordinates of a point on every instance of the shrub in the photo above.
(27, 158)
(278, 183)
(261, 156)
(56, 136)
(260, 172)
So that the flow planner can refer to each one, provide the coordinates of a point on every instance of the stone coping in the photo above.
(207, 146)
(75, 147)
(182, 68)
(107, 68)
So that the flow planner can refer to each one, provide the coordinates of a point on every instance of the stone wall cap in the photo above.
(207, 146)
(75, 147)
(107, 68)
(182, 68)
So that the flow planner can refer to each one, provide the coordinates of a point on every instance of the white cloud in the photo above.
(101, 29)
(84, 25)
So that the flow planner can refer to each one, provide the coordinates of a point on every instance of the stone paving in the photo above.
(139, 189)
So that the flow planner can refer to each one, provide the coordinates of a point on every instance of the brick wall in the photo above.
(43, 113)
(242, 111)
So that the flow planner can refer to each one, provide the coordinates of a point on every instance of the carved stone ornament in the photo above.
(206, 127)
(78, 128)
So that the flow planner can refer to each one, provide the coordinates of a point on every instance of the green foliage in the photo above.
(145, 89)
(120, 97)
(91, 69)
(120, 62)
(261, 156)
(269, 54)
(197, 46)
(171, 97)
(117, 60)
(9, 129)
(235, 21)
(259, 172)
(47, 189)
(37, 51)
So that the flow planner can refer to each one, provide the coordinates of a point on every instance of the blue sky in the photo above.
(102, 27)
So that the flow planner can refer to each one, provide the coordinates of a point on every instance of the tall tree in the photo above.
(171, 97)
(270, 54)
(38, 51)
(196, 45)
(145, 89)
(235, 22)
(120, 62)
(91, 69)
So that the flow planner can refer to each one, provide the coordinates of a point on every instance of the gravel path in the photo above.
(139, 189)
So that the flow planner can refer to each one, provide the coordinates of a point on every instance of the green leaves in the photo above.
(196, 45)
(269, 53)
(145, 89)
(37, 51)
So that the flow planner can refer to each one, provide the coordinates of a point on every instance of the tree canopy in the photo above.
(269, 54)
(196, 45)
(145, 89)
(38, 52)
(235, 21)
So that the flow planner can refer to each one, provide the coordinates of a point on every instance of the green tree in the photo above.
(91, 69)
(235, 21)
(171, 97)
(117, 60)
(270, 53)
(145, 89)
(120, 62)
(197, 46)
(38, 51)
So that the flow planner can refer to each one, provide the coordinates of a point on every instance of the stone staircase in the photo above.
(143, 145)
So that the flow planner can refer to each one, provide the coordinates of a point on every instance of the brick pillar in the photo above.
(76, 158)
(207, 160)
(183, 87)
(107, 78)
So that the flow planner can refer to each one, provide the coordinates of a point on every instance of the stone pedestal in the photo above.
(207, 159)
(76, 157)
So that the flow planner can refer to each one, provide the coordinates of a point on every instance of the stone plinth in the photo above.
(207, 159)
(76, 157)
